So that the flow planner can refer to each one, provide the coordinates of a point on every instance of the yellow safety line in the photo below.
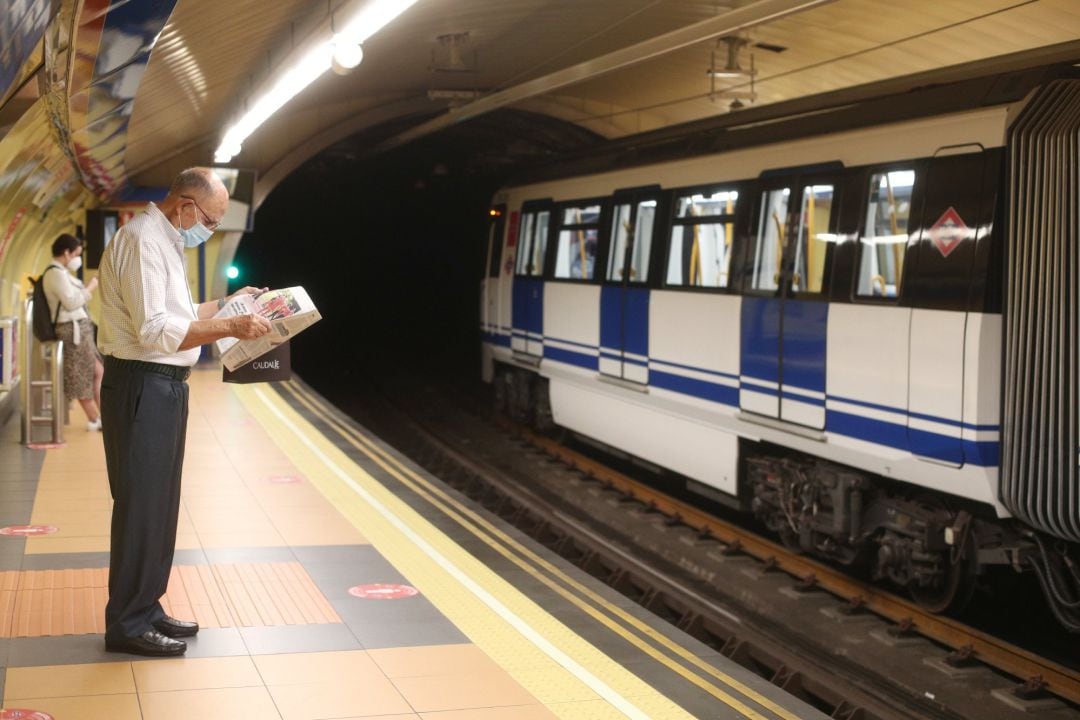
(368, 448)
(535, 648)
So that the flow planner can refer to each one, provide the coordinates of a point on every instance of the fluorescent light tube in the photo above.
(374, 16)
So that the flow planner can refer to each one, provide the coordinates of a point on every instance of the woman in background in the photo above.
(66, 294)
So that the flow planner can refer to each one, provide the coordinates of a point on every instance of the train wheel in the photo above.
(954, 592)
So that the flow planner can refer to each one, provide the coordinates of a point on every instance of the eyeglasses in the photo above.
(211, 225)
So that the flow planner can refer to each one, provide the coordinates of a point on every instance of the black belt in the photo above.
(176, 372)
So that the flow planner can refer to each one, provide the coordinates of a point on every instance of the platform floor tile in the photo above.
(89, 707)
(280, 517)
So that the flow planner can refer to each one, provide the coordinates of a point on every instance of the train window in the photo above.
(813, 239)
(575, 258)
(532, 243)
(524, 240)
(539, 246)
(700, 250)
(770, 241)
(643, 236)
(885, 233)
(631, 241)
(620, 234)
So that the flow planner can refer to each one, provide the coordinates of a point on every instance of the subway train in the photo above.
(860, 326)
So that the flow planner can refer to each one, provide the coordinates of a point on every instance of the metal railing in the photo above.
(43, 400)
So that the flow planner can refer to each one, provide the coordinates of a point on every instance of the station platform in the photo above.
(332, 578)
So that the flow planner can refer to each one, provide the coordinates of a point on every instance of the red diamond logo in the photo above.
(948, 232)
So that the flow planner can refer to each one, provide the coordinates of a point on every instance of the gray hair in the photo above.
(193, 181)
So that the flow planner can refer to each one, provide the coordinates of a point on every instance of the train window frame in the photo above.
(731, 219)
(524, 245)
(919, 167)
(556, 229)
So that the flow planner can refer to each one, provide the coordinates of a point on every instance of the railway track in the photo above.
(968, 644)
(886, 659)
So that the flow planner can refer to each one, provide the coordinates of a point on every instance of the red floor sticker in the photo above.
(27, 530)
(43, 446)
(18, 714)
(381, 591)
(284, 479)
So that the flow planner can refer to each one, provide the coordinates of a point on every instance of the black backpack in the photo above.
(44, 326)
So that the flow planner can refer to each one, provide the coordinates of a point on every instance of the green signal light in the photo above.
(233, 272)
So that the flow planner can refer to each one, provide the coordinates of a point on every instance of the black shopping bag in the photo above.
(274, 366)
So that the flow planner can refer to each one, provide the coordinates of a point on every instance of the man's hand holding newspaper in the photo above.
(288, 310)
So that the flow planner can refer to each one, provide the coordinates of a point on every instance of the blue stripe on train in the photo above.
(496, 339)
(918, 416)
(717, 373)
(760, 339)
(590, 362)
(983, 453)
(697, 388)
(818, 402)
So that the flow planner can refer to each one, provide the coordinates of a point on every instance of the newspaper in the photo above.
(289, 311)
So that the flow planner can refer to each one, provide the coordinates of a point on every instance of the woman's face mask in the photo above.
(75, 263)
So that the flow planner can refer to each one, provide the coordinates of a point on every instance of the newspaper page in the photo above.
(289, 311)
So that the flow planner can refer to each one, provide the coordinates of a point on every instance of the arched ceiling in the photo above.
(211, 56)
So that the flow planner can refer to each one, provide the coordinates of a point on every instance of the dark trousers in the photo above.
(144, 424)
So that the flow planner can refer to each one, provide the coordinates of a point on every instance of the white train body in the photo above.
(867, 337)
(683, 403)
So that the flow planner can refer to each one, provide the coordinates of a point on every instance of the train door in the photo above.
(784, 310)
(527, 314)
(624, 297)
(938, 290)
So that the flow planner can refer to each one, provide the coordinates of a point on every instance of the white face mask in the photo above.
(75, 264)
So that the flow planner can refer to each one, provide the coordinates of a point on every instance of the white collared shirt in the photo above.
(64, 288)
(146, 305)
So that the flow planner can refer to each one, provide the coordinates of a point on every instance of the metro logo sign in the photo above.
(948, 232)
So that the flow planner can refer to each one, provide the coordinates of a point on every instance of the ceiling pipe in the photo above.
(732, 21)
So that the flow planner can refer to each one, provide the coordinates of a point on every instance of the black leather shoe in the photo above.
(150, 643)
(171, 627)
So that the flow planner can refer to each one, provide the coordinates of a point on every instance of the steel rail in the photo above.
(1030, 668)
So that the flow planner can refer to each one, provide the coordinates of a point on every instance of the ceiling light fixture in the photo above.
(730, 46)
(346, 56)
(731, 68)
(316, 58)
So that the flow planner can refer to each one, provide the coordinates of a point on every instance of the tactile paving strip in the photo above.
(41, 603)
